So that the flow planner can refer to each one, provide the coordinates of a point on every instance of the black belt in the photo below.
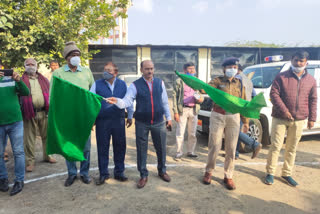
(188, 106)
(39, 109)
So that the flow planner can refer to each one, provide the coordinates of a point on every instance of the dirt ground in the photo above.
(184, 194)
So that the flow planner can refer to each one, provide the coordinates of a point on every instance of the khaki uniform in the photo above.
(224, 122)
(30, 126)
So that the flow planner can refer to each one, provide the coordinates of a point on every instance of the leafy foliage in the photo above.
(5, 21)
(254, 43)
(40, 28)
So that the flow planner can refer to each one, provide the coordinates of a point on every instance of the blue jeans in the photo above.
(15, 133)
(84, 165)
(104, 130)
(158, 134)
(248, 141)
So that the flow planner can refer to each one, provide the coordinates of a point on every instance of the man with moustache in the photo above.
(151, 104)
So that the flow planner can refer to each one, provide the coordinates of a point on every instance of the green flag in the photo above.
(72, 113)
(226, 101)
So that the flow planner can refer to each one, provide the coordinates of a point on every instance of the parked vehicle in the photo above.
(262, 76)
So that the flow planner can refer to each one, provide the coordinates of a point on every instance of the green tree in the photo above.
(40, 28)
(254, 43)
(5, 21)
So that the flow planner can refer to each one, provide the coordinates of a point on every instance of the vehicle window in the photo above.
(166, 61)
(311, 69)
(317, 76)
(262, 77)
(315, 72)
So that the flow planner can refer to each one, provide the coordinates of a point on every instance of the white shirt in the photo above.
(132, 94)
(111, 87)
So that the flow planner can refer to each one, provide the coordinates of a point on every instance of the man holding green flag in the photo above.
(222, 121)
(82, 77)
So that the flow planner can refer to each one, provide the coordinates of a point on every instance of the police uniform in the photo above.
(225, 122)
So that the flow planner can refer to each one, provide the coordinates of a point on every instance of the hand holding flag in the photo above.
(226, 101)
(111, 100)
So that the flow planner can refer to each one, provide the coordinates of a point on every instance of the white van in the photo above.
(262, 76)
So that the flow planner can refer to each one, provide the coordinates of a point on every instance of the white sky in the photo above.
(216, 22)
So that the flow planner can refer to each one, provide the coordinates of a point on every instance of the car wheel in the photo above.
(255, 131)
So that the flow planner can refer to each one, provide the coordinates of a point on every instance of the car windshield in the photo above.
(262, 77)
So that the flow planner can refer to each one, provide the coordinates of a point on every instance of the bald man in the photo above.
(152, 103)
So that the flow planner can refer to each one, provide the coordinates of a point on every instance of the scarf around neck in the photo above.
(27, 105)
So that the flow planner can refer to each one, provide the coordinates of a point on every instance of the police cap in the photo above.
(230, 61)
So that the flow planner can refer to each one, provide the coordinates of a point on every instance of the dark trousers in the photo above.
(105, 128)
(158, 134)
(84, 165)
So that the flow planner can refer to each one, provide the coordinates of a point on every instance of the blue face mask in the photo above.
(231, 72)
(107, 75)
(191, 74)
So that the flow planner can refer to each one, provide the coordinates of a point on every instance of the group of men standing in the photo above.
(293, 95)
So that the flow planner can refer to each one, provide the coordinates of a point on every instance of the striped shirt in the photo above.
(10, 91)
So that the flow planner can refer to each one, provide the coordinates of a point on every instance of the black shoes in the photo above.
(85, 179)
(192, 155)
(101, 180)
(121, 178)
(17, 187)
(4, 185)
(70, 180)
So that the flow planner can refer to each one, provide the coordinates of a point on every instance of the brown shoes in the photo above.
(165, 177)
(51, 160)
(142, 182)
(30, 168)
(229, 183)
(256, 151)
(207, 178)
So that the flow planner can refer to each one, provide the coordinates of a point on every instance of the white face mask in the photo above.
(31, 69)
(231, 72)
(297, 69)
(75, 61)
